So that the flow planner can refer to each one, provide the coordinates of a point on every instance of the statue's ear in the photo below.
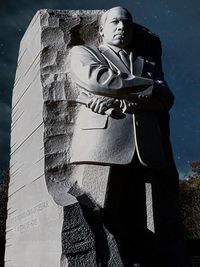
(101, 31)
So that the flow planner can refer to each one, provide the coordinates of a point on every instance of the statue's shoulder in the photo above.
(77, 49)
(84, 48)
(146, 43)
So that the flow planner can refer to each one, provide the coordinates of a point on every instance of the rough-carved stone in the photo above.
(40, 140)
(60, 31)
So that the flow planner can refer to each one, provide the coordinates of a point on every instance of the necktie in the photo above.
(125, 58)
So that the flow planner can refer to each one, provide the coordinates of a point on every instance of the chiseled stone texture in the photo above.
(43, 119)
(60, 31)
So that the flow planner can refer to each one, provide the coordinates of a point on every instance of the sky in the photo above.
(176, 22)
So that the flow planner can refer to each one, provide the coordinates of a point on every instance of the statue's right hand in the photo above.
(99, 104)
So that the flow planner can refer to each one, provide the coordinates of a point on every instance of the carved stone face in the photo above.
(117, 29)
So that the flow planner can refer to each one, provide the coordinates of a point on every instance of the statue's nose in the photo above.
(120, 25)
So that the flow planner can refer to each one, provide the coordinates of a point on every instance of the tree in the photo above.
(190, 201)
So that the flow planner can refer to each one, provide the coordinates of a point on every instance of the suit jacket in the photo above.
(102, 139)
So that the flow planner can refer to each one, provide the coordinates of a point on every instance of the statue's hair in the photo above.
(103, 18)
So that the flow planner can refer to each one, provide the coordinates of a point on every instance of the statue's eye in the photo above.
(114, 21)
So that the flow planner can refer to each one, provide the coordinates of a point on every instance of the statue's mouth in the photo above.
(119, 35)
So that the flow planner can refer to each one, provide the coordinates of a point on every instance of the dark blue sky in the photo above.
(177, 24)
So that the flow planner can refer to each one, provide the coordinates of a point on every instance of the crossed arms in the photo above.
(105, 88)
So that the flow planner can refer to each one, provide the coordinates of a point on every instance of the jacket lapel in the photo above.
(138, 65)
(113, 59)
(137, 62)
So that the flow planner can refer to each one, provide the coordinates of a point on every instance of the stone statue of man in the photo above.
(113, 76)
(123, 122)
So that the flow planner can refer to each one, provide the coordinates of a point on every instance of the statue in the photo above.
(114, 77)
(92, 178)
(123, 123)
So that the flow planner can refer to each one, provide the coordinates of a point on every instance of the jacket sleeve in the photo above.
(161, 90)
(95, 76)
(162, 98)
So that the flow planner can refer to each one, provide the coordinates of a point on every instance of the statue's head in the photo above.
(116, 27)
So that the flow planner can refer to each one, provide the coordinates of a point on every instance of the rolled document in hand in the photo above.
(84, 99)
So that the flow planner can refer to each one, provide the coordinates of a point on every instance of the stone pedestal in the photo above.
(42, 126)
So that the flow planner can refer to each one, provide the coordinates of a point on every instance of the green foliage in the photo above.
(3, 203)
(190, 201)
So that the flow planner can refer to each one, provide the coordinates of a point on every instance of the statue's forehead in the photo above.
(118, 13)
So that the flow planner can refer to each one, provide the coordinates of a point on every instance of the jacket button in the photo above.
(137, 123)
(149, 74)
